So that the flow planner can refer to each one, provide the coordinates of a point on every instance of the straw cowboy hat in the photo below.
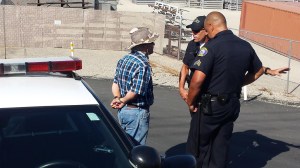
(141, 35)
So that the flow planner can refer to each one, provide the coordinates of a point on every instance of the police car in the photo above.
(50, 117)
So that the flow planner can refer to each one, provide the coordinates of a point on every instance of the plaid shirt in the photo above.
(133, 73)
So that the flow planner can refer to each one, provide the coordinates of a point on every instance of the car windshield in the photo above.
(67, 135)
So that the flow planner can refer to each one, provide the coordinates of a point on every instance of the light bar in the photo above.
(14, 68)
(63, 66)
(1, 69)
(39, 65)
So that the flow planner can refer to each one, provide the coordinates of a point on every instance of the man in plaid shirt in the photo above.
(132, 86)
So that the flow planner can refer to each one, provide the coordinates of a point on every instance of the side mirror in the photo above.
(144, 157)
(147, 157)
(180, 161)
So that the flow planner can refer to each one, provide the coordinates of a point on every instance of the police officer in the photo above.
(199, 39)
(220, 69)
(193, 48)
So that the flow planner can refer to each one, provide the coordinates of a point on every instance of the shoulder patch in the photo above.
(203, 51)
(198, 63)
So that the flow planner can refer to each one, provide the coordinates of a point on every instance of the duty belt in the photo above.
(228, 95)
(223, 98)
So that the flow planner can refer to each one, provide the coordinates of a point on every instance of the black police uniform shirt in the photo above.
(224, 60)
(191, 52)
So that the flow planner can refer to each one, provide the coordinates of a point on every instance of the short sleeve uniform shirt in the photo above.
(225, 60)
(191, 52)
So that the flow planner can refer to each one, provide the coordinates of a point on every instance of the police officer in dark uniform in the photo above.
(193, 48)
(220, 69)
(199, 39)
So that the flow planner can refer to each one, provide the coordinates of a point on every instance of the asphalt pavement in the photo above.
(265, 134)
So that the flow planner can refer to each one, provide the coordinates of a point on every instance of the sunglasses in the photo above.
(197, 31)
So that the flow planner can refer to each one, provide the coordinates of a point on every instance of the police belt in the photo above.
(216, 97)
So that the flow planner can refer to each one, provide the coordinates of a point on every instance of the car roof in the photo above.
(35, 91)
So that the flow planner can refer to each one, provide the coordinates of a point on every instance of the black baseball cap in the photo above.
(198, 24)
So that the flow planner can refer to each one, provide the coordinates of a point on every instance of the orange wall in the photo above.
(273, 19)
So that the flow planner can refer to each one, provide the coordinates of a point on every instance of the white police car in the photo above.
(50, 117)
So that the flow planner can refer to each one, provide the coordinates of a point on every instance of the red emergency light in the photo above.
(40, 66)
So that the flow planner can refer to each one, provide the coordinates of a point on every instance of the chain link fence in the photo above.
(281, 47)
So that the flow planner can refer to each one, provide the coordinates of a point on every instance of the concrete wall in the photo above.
(39, 27)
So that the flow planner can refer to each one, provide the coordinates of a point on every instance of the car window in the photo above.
(31, 137)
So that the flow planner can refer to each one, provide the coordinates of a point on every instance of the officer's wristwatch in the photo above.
(266, 69)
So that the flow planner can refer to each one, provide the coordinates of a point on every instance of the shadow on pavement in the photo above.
(248, 149)
(253, 150)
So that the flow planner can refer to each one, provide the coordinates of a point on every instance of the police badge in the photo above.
(203, 51)
(198, 63)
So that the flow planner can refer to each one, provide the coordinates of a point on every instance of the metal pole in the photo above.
(245, 92)
(289, 65)
(179, 40)
(4, 33)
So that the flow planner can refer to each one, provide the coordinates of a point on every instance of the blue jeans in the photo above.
(135, 122)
